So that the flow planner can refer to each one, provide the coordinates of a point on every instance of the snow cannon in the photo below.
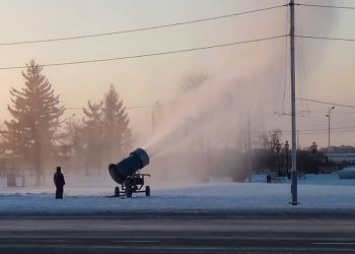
(125, 173)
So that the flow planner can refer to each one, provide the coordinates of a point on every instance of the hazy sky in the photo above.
(325, 69)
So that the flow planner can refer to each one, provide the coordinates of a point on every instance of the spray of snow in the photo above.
(216, 113)
(212, 115)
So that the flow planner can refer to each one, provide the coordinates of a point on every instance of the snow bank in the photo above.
(319, 192)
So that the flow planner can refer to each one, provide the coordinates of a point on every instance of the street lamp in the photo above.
(328, 115)
(287, 147)
(154, 106)
(278, 148)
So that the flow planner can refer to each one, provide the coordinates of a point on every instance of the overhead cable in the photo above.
(85, 36)
(133, 107)
(326, 129)
(152, 54)
(327, 6)
(334, 129)
(327, 103)
(324, 38)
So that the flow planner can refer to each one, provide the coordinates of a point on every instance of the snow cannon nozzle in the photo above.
(127, 167)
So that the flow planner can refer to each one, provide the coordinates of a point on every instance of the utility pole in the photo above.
(249, 148)
(287, 147)
(329, 127)
(293, 102)
(153, 120)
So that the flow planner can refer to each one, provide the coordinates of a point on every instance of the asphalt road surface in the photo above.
(176, 235)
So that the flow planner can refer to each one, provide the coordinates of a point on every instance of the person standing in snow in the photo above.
(59, 183)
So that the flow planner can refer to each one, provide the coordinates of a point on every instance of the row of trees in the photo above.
(275, 156)
(36, 137)
(268, 155)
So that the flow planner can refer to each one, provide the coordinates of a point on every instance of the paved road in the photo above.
(176, 235)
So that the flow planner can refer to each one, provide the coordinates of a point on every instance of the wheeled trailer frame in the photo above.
(133, 184)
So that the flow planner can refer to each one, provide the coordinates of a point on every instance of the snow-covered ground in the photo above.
(315, 193)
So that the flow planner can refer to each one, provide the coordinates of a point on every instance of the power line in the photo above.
(334, 112)
(325, 131)
(327, 6)
(324, 38)
(138, 29)
(320, 130)
(333, 128)
(327, 103)
(315, 131)
(129, 107)
(132, 107)
(152, 54)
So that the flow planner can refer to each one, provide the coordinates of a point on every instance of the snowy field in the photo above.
(316, 193)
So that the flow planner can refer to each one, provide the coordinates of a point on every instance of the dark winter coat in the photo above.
(59, 179)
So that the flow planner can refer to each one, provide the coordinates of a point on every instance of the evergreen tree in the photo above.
(30, 136)
(105, 136)
(116, 131)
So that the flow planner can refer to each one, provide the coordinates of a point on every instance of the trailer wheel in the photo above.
(128, 193)
(147, 191)
(117, 192)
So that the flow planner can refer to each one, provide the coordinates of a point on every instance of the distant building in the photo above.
(341, 154)
(341, 157)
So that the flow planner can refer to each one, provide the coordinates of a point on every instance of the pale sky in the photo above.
(325, 69)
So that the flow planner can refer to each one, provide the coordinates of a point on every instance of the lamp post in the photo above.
(71, 129)
(278, 148)
(287, 146)
(328, 115)
(72, 135)
(154, 106)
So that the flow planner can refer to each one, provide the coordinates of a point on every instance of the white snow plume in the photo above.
(215, 114)
(211, 116)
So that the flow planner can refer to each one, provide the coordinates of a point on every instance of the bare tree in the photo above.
(193, 80)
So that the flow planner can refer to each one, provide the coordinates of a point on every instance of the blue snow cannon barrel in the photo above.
(129, 166)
